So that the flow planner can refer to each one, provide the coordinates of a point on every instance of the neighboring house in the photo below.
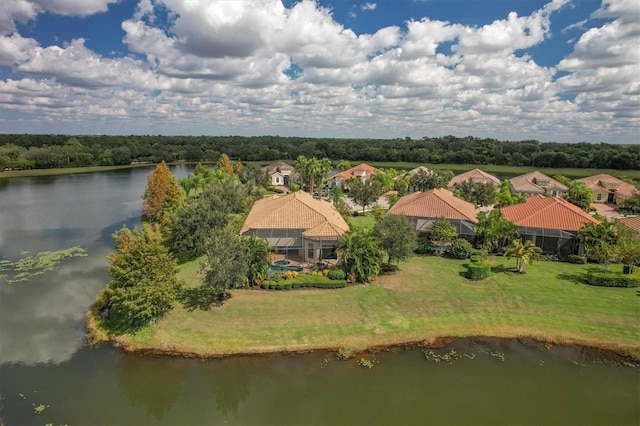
(280, 173)
(551, 223)
(608, 189)
(297, 224)
(424, 207)
(475, 175)
(420, 169)
(361, 171)
(536, 183)
(631, 222)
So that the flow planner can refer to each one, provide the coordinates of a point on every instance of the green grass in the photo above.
(66, 171)
(427, 299)
(511, 170)
(367, 221)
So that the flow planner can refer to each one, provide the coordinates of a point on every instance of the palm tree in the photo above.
(258, 257)
(524, 253)
(324, 167)
(360, 254)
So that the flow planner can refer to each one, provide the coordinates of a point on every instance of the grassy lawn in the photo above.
(427, 299)
(367, 221)
(66, 171)
(510, 170)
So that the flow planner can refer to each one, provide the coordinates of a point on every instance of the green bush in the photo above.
(337, 274)
(475, 258)
(613, 279)
(305, 281)
(574, 258)
(424, 246)
(460, 249)
(478, 270)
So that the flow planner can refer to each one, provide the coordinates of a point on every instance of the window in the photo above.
(599, 197)
(310, 251)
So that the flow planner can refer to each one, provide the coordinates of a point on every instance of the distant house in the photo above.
(536, 183)
(280, 173)
(475, 175)
(424, 169)
(361, 171)
(608, 189)
(551, 223)
(631, 222)
(424, 207)
(297, 225)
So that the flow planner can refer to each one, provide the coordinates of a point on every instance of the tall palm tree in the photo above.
(324, 167)
(524, 253)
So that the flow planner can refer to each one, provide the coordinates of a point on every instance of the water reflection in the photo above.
(153, 384)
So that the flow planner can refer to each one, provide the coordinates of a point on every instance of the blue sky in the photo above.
(556, 70)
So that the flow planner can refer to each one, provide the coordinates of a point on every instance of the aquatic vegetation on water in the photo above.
(363, 362)
(33, 265)
(40, 408)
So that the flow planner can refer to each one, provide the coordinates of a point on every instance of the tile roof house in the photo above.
(535, 183)
(475, 175)
(423, 207)
(297, 224)
(609, 189)
(361, 171)
(280, 173)
(420, 169)
(551, 223)
(632, 222)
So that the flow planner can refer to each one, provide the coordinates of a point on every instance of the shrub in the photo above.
(287, 286)
(475, 258)
(325, 272)
(478, 270)
(336, 274)
(574, 258)
(460, 249)
(613, 279)
(424, 245)
(265, 284)
(272, 285)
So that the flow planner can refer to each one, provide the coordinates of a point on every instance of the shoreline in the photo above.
(435, 343)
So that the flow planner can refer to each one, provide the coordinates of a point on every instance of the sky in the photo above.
(550, 70)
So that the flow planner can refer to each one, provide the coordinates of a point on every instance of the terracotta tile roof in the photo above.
(632, 222)
(348, 174)
(298, 210)
(531, 183)
(548, 212)
(435, 203)
(609, 182)
(276, 167)
(475, 175)
(420, 168)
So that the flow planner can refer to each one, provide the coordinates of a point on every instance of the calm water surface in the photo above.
(43, 359)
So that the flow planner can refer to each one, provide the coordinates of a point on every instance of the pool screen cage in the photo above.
(552, 241)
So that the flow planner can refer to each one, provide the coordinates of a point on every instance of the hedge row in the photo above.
(289, 284)
(613, 279)
(574, 258)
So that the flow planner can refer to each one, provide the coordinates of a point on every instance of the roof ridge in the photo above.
(448, 203)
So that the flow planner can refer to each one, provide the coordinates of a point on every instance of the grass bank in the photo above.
(66, 171)
(511, 170)
(427, 299)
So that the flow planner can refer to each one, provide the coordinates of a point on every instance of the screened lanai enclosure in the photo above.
(552, 241)
(464, 227)
(293, 244)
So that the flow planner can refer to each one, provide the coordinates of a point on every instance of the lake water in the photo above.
(44, 360)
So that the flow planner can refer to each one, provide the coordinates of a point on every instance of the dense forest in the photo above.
(48, 151)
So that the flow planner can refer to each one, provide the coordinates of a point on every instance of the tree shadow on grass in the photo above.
(576, 278)
(199, 298)
(501, 269)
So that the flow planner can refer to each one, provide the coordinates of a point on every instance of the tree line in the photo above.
(49, 151)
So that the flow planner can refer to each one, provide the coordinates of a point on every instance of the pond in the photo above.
(45, 365)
